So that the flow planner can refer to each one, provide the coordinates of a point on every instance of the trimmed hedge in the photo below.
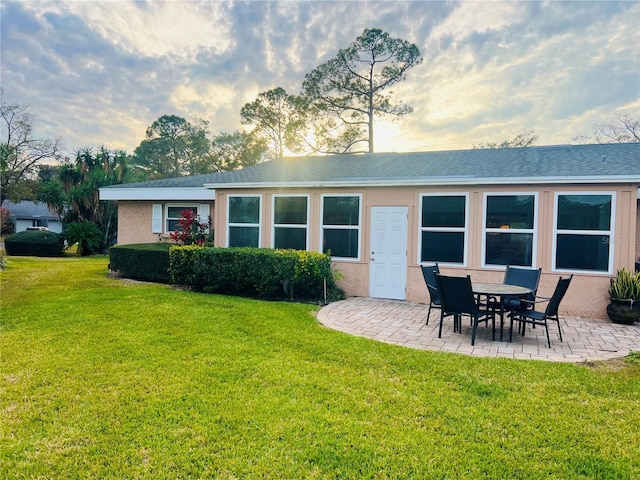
(36, 243)
(254, 272)
(142, 261)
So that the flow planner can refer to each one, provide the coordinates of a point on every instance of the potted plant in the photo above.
(624, 292)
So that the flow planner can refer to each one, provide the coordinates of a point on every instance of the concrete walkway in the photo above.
(403, 323)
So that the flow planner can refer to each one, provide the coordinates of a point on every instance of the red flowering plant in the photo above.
(192, 231)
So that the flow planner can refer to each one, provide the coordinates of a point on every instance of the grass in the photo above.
(104, 378)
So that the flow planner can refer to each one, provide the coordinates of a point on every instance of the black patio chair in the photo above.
(536, 317)
(522, 277)
(429, 275)
(456, 295)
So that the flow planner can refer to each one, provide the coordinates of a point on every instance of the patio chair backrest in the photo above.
(456, 294)
(523, 277)
(429, 275)
(556, 298)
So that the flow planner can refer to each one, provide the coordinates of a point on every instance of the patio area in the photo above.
(403, 323)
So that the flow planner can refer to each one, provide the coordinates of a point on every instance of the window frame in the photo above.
(289, 225)
(465, 229)
(182, 206)
(342, 227)
(252, 225)
(533, 231)
(610, 232)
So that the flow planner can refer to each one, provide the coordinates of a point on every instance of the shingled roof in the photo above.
(600, 163)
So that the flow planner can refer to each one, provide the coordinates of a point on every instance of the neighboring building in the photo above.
(26, 214)
(567, 209)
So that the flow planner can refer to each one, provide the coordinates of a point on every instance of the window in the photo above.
(443, 228)
(174, 214)
(509, 229)
(341, 226)
(290, 222)
(583, 232)
(244, 221)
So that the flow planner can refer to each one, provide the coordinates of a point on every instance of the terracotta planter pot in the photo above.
(623, 311)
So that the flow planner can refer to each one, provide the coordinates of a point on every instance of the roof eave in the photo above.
(431, 181)
(161, 194)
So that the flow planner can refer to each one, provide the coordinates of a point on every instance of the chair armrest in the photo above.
(538, 299)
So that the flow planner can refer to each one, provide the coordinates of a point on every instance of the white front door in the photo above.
(388, 255)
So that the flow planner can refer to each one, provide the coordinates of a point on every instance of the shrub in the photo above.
(34, 243)
(87, 235)
(3, 259)
(626, 286)
(6, 225)
(144, 261)
(192, 231)
(254, 272)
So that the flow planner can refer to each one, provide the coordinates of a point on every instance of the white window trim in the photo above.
(464, 229)
(259, 224)
(485, 230)
(200, 208)
(287, 225)
(342, 227)
(610, 232)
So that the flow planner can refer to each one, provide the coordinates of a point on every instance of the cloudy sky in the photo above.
(100, 72)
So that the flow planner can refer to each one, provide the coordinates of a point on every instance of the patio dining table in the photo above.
(499, 290)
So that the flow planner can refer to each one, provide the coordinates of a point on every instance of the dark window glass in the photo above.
(510, 211)
(584, 212)
(445, 211)
(295, 238)
(244, 209)
(290, 210)
(173, 225)
(243, 236)
(341, 242)
(341, 211)
(176, 212)
(583, 252)
(442, 247)
(509, 249)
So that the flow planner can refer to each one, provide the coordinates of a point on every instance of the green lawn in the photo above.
(104, 378)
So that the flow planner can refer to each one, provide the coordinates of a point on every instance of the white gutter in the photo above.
(433, 181)
(164, 193)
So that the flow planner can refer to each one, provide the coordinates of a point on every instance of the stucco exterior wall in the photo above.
(134, 222)
(637, 239)
(587, 295)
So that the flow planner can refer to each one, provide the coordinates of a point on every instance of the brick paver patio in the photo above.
(403, 323)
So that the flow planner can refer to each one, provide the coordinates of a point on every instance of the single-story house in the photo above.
(570, 209)
(26, 214)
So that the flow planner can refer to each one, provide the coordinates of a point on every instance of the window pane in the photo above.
(290, 210)
(342, 243)
(509, 249)
(583, 252)
(176, 212)
(442, 247)
(173, 225)
(443, 211)
(243, 236)
(510, 211)
(584, 212)
(244, 209)
(291, 238)
(341, 211)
